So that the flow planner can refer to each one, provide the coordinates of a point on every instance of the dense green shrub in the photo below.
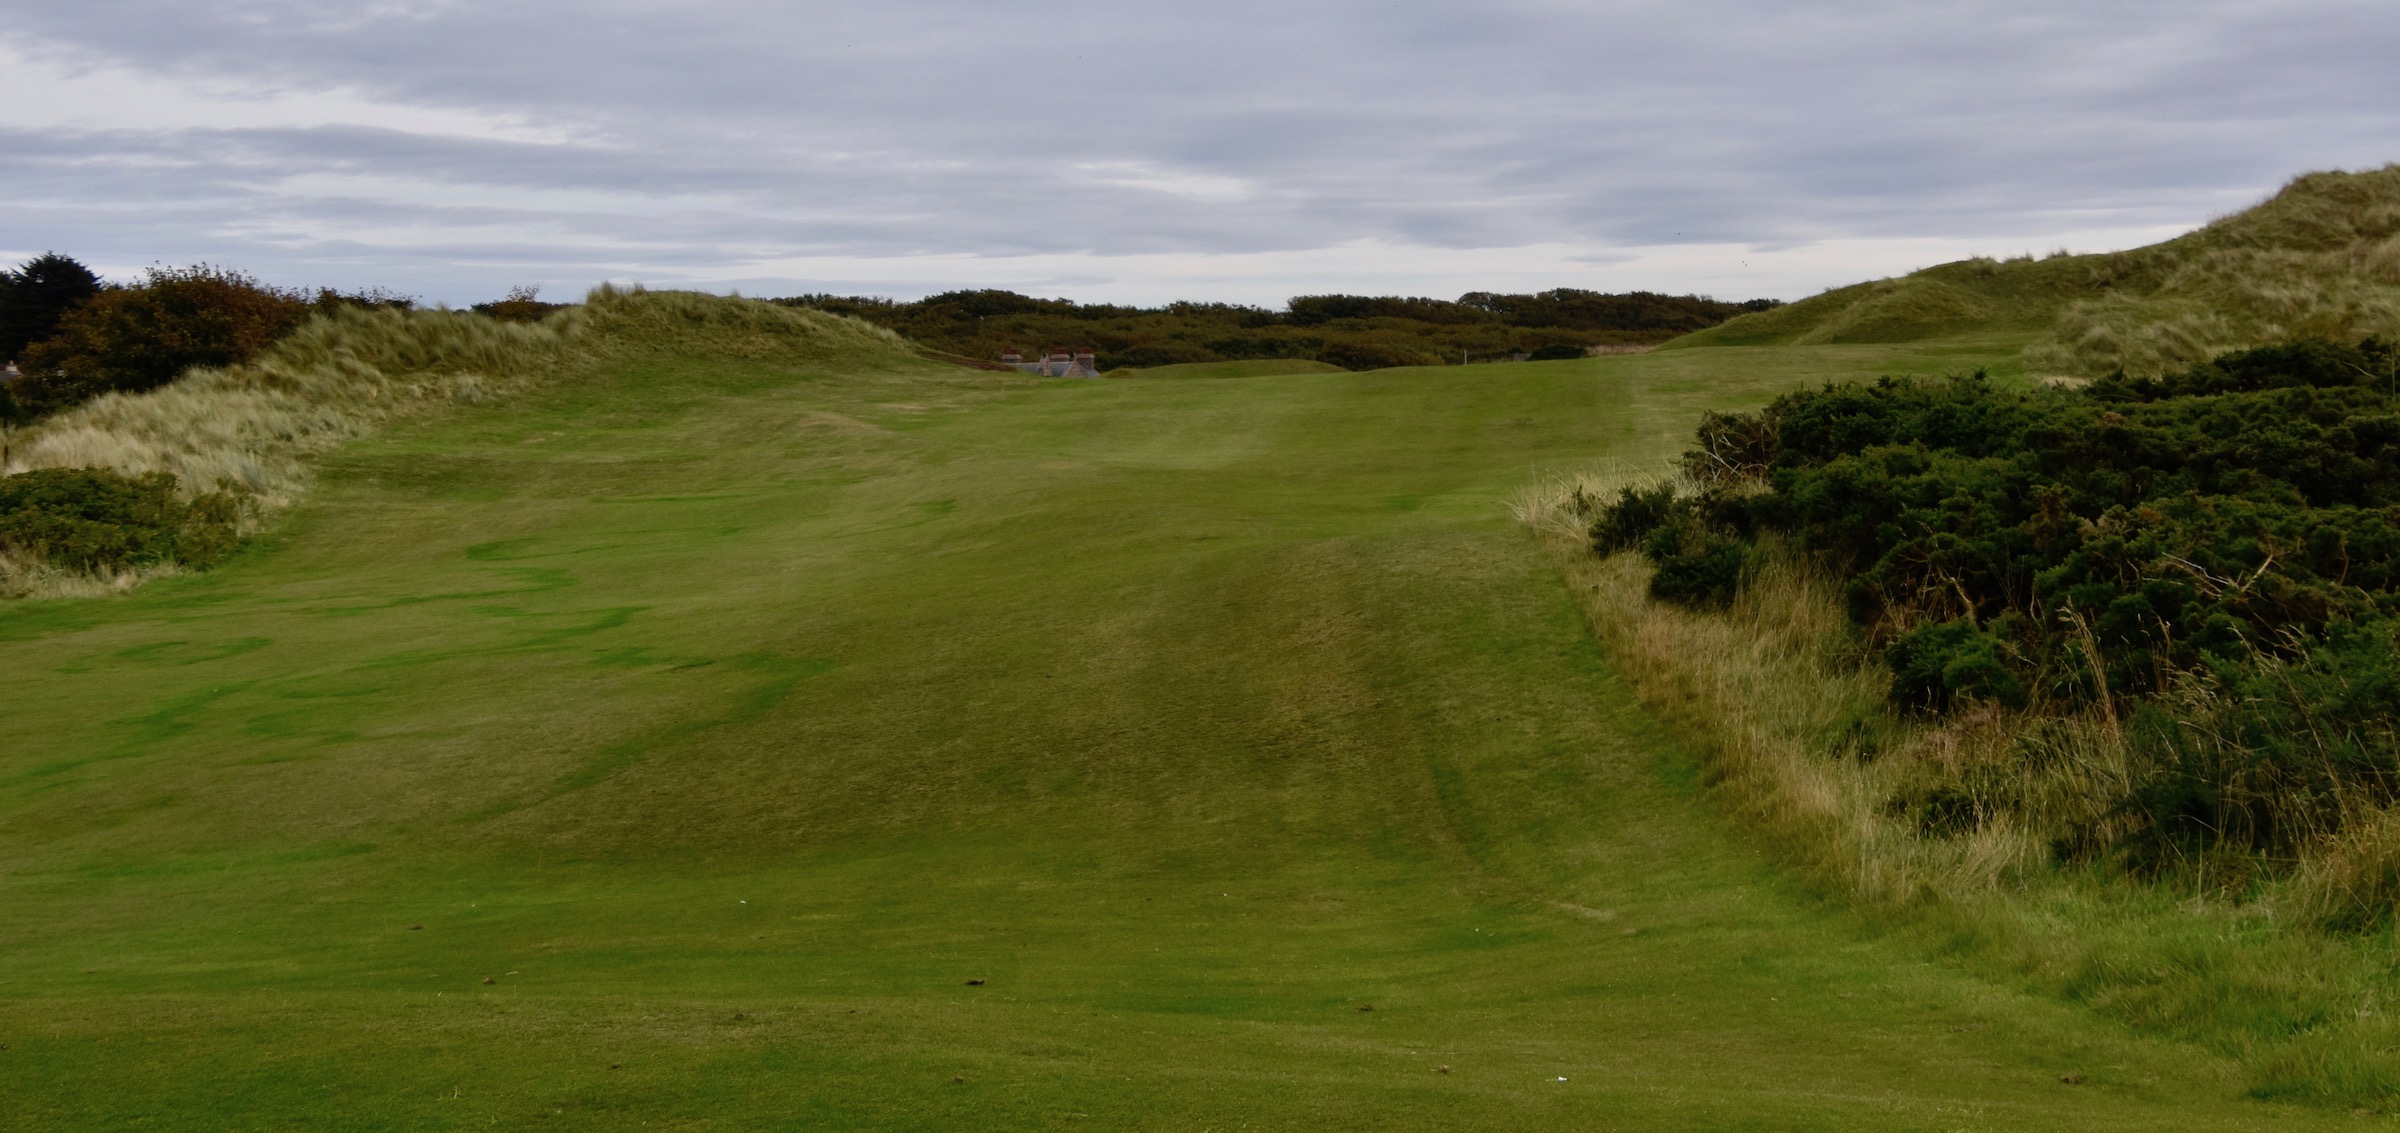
(1626, 524)
(1699, 562)
(36, 295)
(1939, 663)
(136, 338)
(1555, 352)
(1368, 356)
(2215, 554)
(87, 519)
(1697, 566)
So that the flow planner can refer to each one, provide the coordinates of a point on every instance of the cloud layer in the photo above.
(1142, 151)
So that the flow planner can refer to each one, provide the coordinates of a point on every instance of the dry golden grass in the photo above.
(250, 430)
(2321, 257)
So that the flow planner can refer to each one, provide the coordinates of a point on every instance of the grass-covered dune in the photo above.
(740, 726)
(242, 440)
(2321, 257)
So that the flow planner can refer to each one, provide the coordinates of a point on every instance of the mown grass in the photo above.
(729, 712)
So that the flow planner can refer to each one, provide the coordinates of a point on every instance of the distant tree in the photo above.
(521, 305)
(1412, 330)
(128, 339)
(1556, 351)
(33, 297)
(372, 299)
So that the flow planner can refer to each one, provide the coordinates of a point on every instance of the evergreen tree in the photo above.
(33, 297)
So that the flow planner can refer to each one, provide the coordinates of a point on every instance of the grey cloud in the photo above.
(721, 134)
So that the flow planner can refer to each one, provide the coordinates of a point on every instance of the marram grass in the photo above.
(2321, 257)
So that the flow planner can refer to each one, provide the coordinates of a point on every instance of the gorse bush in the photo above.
(92, 519)
(2212, 556)
(125, 340)
(1698, 564)
(1955, 824)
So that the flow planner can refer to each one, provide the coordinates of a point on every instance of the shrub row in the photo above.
(1357, 332)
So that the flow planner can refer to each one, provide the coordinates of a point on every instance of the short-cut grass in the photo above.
(727, 739)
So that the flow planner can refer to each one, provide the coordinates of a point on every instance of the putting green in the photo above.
(718, 745)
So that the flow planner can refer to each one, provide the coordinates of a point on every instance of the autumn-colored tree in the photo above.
(129, 339)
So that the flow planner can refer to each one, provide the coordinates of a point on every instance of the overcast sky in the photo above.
(1139, 152)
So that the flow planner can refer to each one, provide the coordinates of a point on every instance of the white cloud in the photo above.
(48, 94)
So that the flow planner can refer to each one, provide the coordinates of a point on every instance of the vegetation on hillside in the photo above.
(2210, 562)
(2320, 258)
(1354, 332)
(2099, 681)
(245, 434)
(129, 339)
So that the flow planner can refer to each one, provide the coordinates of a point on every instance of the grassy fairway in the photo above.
(673, 750)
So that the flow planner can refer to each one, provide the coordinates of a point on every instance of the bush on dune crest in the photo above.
(248, 432)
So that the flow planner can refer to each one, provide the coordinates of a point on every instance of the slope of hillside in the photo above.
(252, 433)
(737, 740)
(2321, 257)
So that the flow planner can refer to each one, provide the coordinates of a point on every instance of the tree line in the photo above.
(1357, 332)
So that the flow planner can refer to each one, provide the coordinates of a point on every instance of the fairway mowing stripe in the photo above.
(786, 675)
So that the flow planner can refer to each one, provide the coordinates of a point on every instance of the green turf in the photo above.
(671, 752)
